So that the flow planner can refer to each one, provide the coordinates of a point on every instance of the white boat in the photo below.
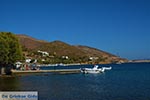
(107, 68)
(95, 69)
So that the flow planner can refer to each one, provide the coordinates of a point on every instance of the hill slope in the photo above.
(30, 42)
(57, 49)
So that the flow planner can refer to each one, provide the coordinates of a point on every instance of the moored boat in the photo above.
(95, 69)
(107, 68)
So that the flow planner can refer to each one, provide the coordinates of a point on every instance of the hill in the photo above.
(30, 42)
(60, 52)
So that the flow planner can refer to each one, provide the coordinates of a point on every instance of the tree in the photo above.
(10, 49)
(3, 50)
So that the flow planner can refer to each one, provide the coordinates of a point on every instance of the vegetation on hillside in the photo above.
(57, 51)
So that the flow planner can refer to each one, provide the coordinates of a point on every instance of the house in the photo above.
(93, 58)
(65, 57)
(28, 60)
(44, 53)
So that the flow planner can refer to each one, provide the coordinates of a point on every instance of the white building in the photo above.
(28, 60)
(93, 58)
(44, 53)
(65, 57)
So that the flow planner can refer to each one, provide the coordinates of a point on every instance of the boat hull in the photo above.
(87, 70)
(95, 69)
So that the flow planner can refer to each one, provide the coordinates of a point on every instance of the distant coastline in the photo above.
(140, 61)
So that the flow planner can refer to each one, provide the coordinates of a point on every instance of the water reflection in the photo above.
(9, 83)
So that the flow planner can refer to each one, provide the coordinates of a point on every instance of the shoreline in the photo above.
(73, 64)
(46, 71)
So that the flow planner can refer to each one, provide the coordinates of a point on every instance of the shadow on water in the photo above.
(9, 83)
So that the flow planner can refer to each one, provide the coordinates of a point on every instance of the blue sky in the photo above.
(120, 27)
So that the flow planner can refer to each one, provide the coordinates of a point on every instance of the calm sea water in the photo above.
(123, 82)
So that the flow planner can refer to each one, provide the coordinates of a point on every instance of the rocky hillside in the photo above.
(30, 42)
(57, 50)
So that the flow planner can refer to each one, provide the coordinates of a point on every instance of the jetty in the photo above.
(62, 71)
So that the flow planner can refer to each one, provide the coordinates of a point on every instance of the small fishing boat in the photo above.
(95, 69)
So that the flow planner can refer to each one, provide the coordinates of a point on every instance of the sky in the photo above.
(120, 27)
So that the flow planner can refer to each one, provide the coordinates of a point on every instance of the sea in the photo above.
(129, 81)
